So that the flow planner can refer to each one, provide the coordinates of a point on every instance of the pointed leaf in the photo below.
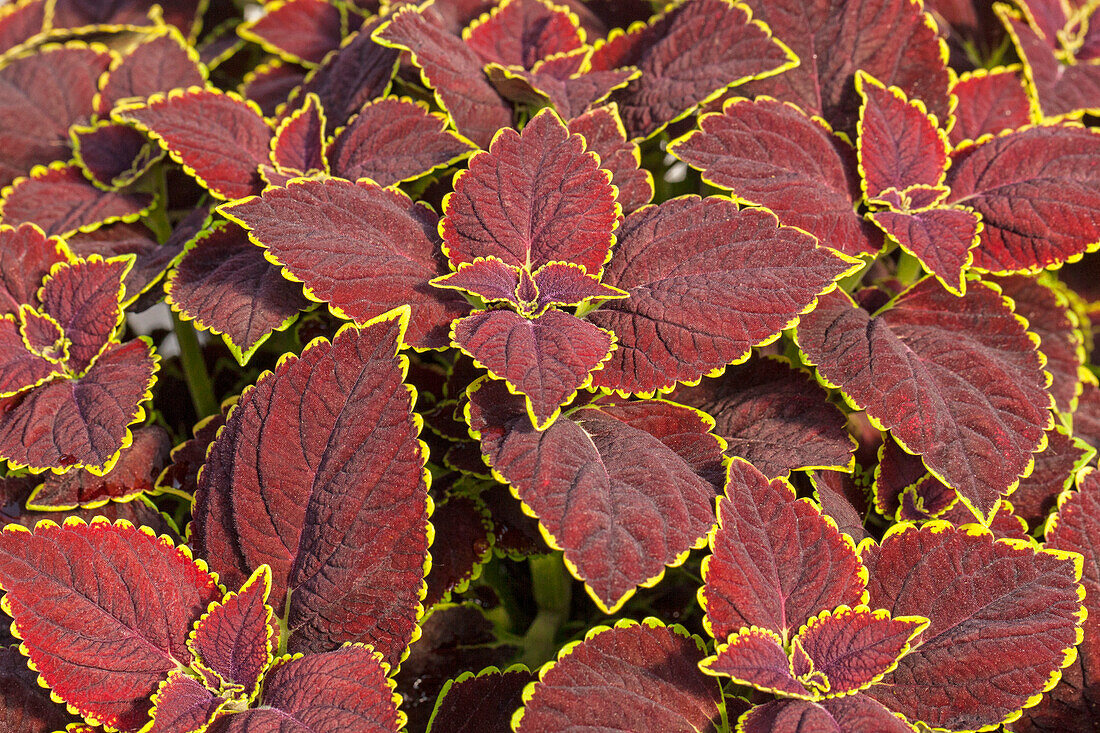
(1056, 466)
(772, 154)
(945, 353)
(270, 85)
(854, 714)
(348, 545)
(545, 359)
(521, 32)
(216, 136)
(452, 71)
(126, 598)
(299, 144)
(1036, 190)
(688, 55)
(996, 608)
(20, 367)
(754, 656)
(83, 298)
(362, 248)
(696, 270)
(182, 705)
(223, 283)
(647, 677)
(624, 489)
(462, 544)
(942, 239)
(486, 277)
(300, 31)
(605, 135)
(989, 102)
(161, 62)
(535, 197)
(375, 145)
(483, 702)
(121, 238)
(843, 500)
(26, 257)
(563, 283)
(774, 416)
(565, 81)
(807, 566)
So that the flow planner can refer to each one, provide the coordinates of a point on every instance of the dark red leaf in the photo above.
(774, 416)
(62, 82)
(139, 512)
(989, 102)
(122, 238)
(773, 154)
(83, 298)
(299, 143)
(188, 456)
(522, 32)
(563, 283)
(842, 499)
(545, 359)
(270, 84)
(223, 283)
(1071, 707)
(452, 71)
(624, 489)
(755, 657)
(25, 706)
(688, 55)
(348, 545)
(941, 238)
(488, 278)
(1086, 420)
(114, 156)
(647, 676)
(182, 705)
(135, 473)
(21, 21)
(565, 81)
(375, 145)
(535, 197)
(462, 544)
(62, 201)
(26, 257)
(1036, 190)
(947, 354)
(604, 134)
(1054, 472)
(515, 533)
(996, 608)
(126, 599)
(95, 14)
(161, 62)
(300, 31)
(855, 714)
(481, 703)
(897, 470)
(218, 137)
(808, 567)
(362, 248)
(707, 282)
(20, 367)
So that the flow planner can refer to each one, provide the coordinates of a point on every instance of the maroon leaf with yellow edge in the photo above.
(26, 257)
(341, 690)
(269, 85)
(755, 657)
(189, 456)
(300, 31)
(947, 354)
(83, 299)
(218, 137)
(452, 71)
(483, 702)
(647, 676)
(362, 248)
(135, 473)
(772, 154)
(462, 544)
(182, 705)
(989, 102)
(941, 238)
(854, 714)
(564, 80)
(1086, 420)
(128, 599)
(161, 62)
(892, 40)
(234, 639)
(62, 81)
(1036, 190)
(343, 453)
(809, 566)
(20, 366)
(299, 145)
(546, 359)
(996, 608)
(605, 135)
(61, 201)
(535, 197)
(684, 65)
(375, 145)
(112, 155)
(843, 499)
(774, 416)
(1056, 466)
(83, 14)
(563, 283)
(489, 279)
(20, 22)
(624, 489)
(707, 282)
(522, 32)
(224, 284)
(123, 238)
(26, 706)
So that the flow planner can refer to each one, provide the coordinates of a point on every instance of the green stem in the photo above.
(157, 219)
(194, 369)
(552, 588)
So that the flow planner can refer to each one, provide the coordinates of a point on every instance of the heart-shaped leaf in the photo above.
(941, 238)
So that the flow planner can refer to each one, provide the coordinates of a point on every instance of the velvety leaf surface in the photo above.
(1074, 529)
(20, 367)
(113, 155)
(217, 136)
(188, 456)
(546, 359)
(481, 704)
(563, 81)
(772, 154)
(1055, 467)
(80, 422)
(515, 533)
(62, 82)
(967, 361)
(26, 256)
(83, 13)
(521, 32)
(988, 102)
(605, 135)
(362, 248)
(775, 561)
(755, 657)
(127, 598)
(1071, 707)
(1086, 421)
(774, 416)
(162, 62)
(842, 499)
(535, 197)
(224, 284)
(486, 277)
(891, 40)
(855, 714)
(942, 239)
(234, 638)
(182, 704)
(1061, 89)
(1036, 190)
(20, 21)
(563, 283)
(269, 85)
(462, 544)
(83, 299)
(135, 472)
(375, 144)
(299, 145)
(298, 30)
(341, 461)
(122, 238)
(620, 488)
(342, 690)
(26, 706)
(453, 71)
(1003, 621)
(706, 283)
(647, 677)
(687, 55)
(61, 201)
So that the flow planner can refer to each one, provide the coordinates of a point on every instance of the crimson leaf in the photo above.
(300, 31)
(988, 103)
(521, 32)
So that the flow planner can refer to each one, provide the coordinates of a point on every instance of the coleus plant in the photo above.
(762, 327)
